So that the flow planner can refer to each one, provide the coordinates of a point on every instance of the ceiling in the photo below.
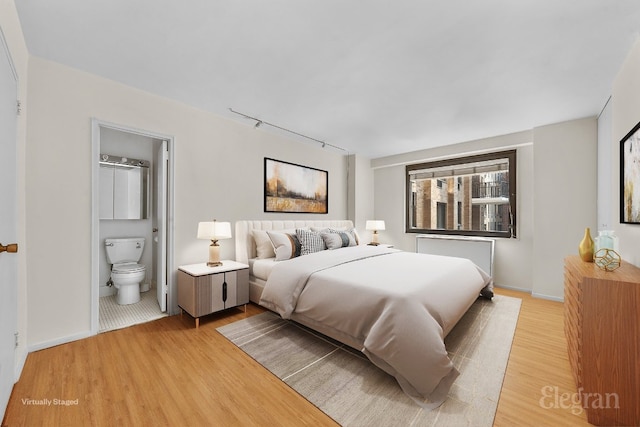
(373, 77)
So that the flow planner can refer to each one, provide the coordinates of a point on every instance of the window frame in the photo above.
(507, 154)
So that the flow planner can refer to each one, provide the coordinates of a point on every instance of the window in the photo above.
(474, 196)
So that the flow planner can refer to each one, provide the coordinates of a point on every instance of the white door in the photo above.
(8, 224)
(161, 199)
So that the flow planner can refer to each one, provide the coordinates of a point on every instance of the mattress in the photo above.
(260, 268)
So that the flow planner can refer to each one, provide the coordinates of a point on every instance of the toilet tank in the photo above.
(124, 250)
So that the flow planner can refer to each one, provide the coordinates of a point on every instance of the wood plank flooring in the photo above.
(166, 372)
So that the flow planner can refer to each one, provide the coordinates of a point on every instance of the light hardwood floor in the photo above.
(166, 372)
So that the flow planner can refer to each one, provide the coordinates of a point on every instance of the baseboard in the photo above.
(513, 288)
(549, 297)
(533, 294)
(106, 291)
(59, 341)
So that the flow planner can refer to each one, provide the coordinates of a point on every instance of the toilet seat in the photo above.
(128, 268)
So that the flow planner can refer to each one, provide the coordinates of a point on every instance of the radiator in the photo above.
(477, 249)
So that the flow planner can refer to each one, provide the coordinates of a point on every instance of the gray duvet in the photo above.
(396, 307)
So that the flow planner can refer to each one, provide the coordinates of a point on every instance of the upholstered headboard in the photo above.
(246, 246)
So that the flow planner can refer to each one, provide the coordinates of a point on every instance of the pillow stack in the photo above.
(286, 244)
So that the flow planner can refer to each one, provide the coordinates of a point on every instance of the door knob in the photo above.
(12, 248)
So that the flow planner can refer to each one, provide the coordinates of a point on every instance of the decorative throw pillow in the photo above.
(310, 242)
(285, 245)
(336, 240)
(264, 247)
(354, 239)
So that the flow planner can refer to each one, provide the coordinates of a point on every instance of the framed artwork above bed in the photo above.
(293, 188)
(630, 177)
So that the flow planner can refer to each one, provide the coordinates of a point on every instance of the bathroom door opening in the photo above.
(155, 227)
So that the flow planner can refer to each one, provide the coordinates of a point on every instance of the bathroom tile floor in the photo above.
(114, 316)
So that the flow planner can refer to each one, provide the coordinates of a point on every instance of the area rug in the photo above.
(346, 386)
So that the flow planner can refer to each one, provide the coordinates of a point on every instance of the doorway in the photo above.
(153, 225)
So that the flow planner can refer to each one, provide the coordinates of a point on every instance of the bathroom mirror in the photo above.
(124, 188)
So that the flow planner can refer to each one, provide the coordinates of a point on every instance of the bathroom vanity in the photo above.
(204, 290)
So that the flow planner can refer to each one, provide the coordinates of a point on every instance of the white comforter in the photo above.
(396, 307)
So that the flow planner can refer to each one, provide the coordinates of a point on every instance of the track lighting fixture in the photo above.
(261, 122)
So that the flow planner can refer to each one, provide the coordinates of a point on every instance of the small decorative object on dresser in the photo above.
(585, 249)
(602, 326)
(607, 259)
(606, 239)
(204, 290)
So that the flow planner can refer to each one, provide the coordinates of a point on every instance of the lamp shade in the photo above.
(214, 230)
(374, 225)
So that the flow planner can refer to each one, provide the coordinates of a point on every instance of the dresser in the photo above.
(204, 290)
(602, 327)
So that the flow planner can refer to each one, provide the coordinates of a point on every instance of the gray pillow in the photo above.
(352, 233)
(337, 240)
(310, 242)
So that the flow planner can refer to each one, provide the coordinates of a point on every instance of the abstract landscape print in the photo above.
(630, 177)
(294, 188)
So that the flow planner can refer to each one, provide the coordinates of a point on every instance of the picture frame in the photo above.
(293, 188)
(630, 177)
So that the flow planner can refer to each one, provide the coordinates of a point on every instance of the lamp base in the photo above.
(214, 255)
(374, 239)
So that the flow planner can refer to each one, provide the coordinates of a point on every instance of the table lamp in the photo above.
(214, 231)
(374, 225)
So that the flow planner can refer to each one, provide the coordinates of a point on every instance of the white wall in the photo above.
(554, 202)
(10, 25)
(605, 175)
(361, 193)
(218, 174)
(626, 114)
(565, 189)
(513, 256)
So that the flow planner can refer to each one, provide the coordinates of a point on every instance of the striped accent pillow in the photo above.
(285, 245)
(336, 240)
(310, 242)
(353, 235)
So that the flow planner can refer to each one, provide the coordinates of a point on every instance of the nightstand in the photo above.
(382, 245)
(204, 290)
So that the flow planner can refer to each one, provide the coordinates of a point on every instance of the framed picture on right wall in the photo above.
(630, 177)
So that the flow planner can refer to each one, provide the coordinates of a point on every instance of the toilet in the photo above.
(126, 273)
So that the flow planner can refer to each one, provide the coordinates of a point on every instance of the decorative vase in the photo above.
(606, 239)
(585, 249)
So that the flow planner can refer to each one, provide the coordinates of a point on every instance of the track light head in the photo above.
(258, 123)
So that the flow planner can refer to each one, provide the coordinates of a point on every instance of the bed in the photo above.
(396, 307)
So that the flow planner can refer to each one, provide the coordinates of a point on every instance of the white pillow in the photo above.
(264, 247)
(285, 245)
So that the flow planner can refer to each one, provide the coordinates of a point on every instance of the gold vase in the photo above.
(585, 249)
